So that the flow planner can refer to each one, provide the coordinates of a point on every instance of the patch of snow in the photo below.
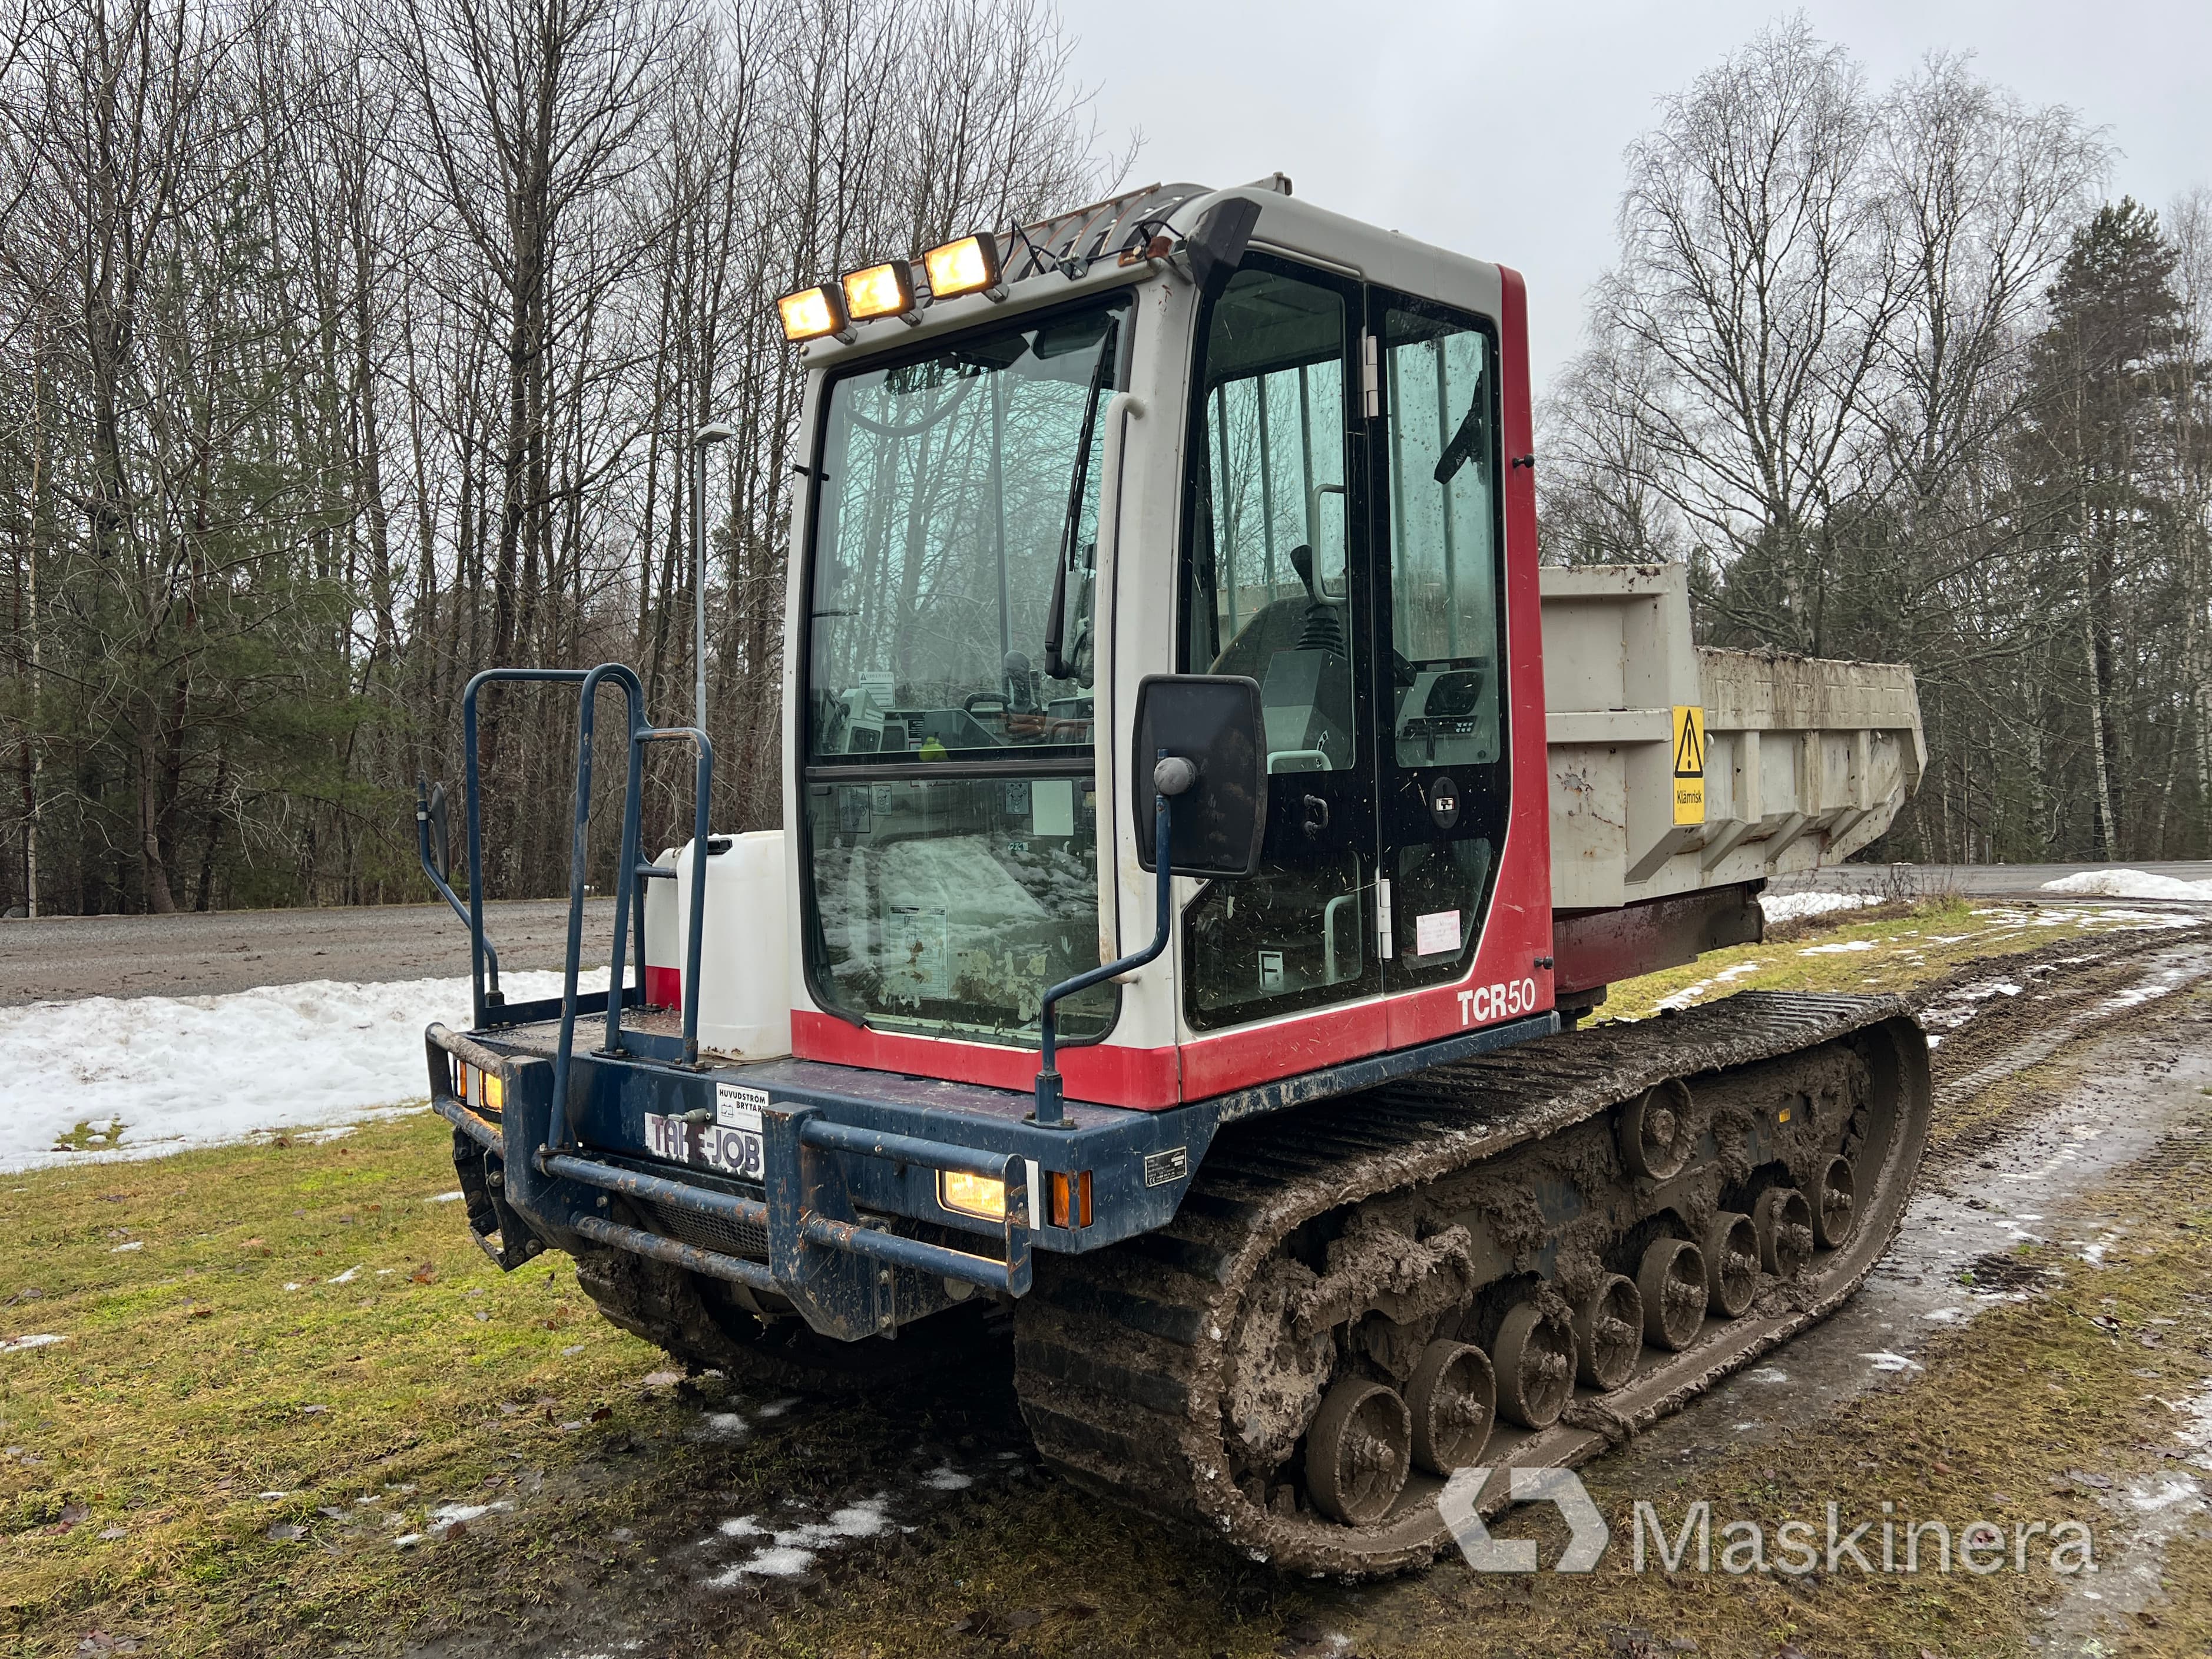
(135, 1244)
(2163, 1494)
(169, 1065)
(407, 1540)
(1840, 947)
(2131, 883)
(1691, 993)
(795, 1548)
(1795, 907)
(720, 1425)
(347, 1277)
(447, 1514)
(1885, 1361)
(1767, 1374)
(945, 1478)
(442, 1198)
(777, 1407)
(19, 1344)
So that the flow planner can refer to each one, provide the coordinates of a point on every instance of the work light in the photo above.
(811, 312)
(884, 290)
(970, 266)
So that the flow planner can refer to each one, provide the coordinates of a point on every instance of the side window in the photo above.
(1442, 456)
(1270, 595)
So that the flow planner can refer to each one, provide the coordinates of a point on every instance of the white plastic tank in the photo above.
(744, 990)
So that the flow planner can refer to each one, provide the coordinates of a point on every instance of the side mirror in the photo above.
(1213, 721)
(442, 836)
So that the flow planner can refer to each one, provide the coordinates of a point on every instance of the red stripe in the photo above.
(1104, 1075)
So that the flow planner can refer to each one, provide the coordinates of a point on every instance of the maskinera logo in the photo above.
(1563, 1488)
(1887, 1543)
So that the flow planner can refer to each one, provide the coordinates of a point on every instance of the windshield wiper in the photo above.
(1056, 666)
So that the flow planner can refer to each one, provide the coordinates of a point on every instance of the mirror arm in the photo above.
(429, 869)
(1172, 777)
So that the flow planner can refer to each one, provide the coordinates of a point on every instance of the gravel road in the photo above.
(69, 956)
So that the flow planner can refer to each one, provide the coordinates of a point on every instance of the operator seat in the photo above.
(1290, 623)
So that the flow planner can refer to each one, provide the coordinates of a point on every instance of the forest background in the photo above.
(346, 349)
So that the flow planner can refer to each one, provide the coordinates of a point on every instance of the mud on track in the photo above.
(818, 1504)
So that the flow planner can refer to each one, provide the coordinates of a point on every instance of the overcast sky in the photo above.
(1498, 131)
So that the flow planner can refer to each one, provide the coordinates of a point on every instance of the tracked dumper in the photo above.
(1205, 829)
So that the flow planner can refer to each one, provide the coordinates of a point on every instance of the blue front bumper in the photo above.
(842, 1220)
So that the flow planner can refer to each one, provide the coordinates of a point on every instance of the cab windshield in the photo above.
(952, 828)
(958, 487)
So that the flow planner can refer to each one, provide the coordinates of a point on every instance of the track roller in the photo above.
(1453, 1397)
(1655, 1131)
(1357, 1451)
(1671, 1280)
(1610, 1333)
(1835, 1202)
(1731, 1251)
(1784, 1221)
(1534, 1359)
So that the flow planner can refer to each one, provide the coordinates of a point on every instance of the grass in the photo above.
(257, 1339)
(1896, 949)
(252, 1336)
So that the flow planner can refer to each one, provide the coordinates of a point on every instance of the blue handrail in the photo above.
(630, 899)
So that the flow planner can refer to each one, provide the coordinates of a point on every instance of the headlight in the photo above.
(972, 1194)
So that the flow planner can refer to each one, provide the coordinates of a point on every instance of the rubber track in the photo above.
(1119, 1353)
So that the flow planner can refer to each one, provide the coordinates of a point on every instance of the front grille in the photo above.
(707, 1232)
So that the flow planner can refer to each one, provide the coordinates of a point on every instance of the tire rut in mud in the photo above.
(1996, 1017)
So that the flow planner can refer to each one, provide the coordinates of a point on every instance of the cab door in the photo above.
(1277, 584)
(1436, 533)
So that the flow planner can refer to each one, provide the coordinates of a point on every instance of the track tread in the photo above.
(1118, 1365)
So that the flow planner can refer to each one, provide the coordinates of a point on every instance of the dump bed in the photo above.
(1802, 761)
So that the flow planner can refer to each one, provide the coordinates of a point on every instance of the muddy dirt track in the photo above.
(944, 1480)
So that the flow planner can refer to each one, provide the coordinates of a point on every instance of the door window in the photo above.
(1441, 789)
(1274, 589)
(1443, 586)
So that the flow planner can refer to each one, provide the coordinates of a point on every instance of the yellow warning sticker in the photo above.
(1689, 763)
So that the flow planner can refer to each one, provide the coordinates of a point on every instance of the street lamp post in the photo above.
(709, 435)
